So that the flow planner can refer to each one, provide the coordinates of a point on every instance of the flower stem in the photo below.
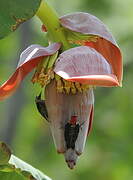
(50, 19)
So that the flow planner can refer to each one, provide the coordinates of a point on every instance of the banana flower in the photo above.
(68, 78)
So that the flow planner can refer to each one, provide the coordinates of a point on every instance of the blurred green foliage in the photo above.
(109, 150)
(14, 13)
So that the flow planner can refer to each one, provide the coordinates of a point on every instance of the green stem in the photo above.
(50, 19)
(52, 60)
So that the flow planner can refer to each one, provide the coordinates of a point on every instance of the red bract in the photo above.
(29, 59)
(61, 107)
(105, 44)
(85, 65)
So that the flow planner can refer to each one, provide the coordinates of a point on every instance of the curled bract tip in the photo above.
(29, 59)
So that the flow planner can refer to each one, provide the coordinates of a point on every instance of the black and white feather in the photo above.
(41, 106)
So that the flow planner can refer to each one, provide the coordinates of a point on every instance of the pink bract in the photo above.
(85, 65)
(29, 59)
(106, 45)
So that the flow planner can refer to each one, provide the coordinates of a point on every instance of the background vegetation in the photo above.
(109, 149)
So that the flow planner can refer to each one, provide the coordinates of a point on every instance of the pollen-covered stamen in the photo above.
(83, 42)
(39, 70)
(78, 86)
(41, 78)
(64, 86)
(73, 88)
(51, 73)
(60, 87)
(85, 87)
(67, 86)
(44, 73)
(45, 77)
(40, 74)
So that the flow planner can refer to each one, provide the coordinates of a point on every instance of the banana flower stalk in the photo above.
(68, 77)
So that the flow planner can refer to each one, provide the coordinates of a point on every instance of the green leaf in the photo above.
(13, 168)
(15, 12)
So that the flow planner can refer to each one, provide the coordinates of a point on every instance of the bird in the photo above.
(41, 106)
(71, 132)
